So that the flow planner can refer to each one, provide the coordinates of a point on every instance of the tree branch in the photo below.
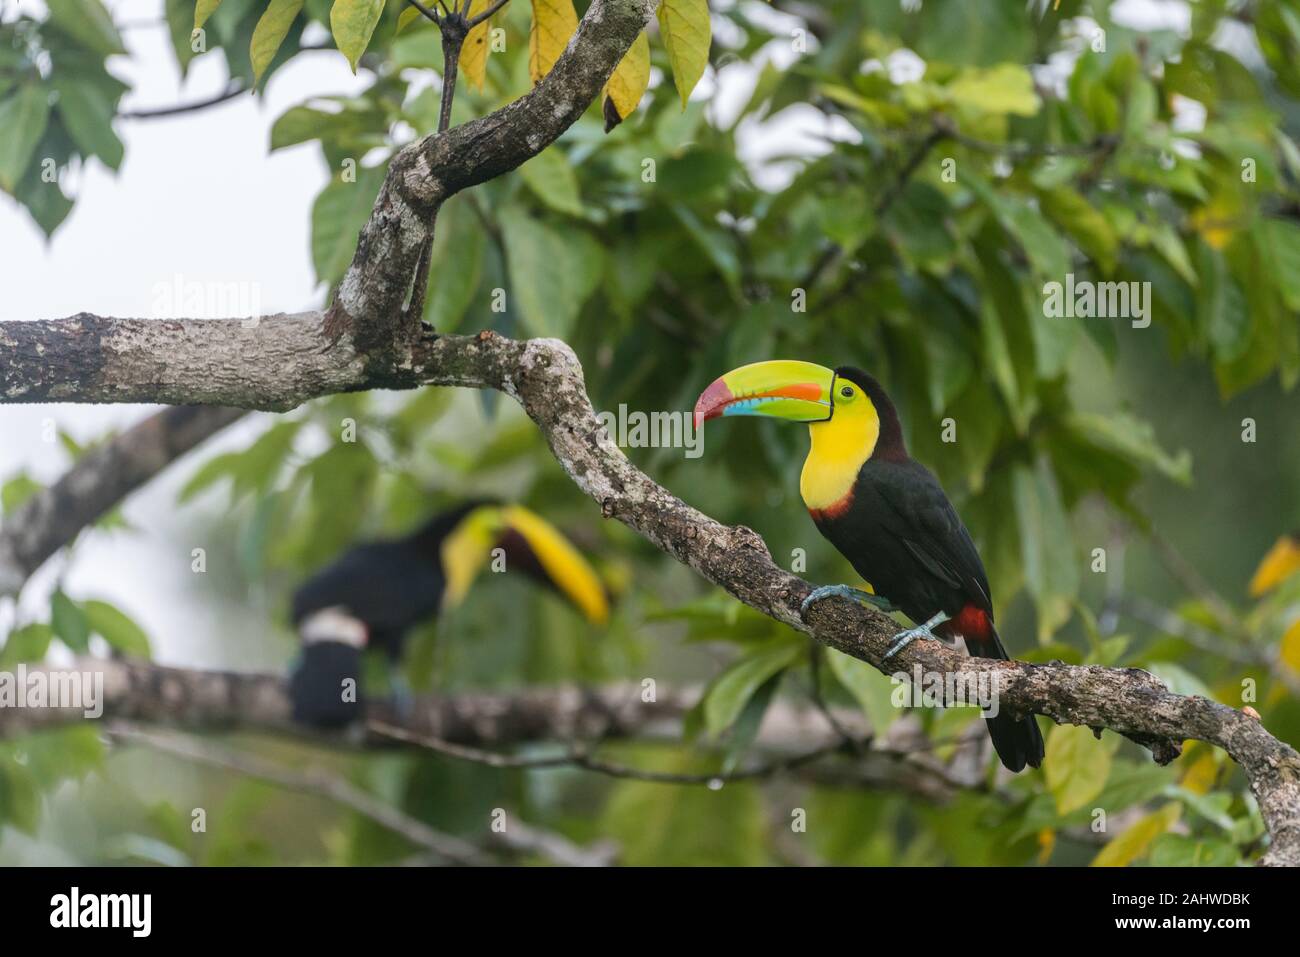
(98, 481)
(318, 783)
(463, 726)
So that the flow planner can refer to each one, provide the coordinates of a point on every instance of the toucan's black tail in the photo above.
(1016, 740)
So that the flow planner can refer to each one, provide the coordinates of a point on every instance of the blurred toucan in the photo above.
(1281, 562)
(883, 510)
(375, 593)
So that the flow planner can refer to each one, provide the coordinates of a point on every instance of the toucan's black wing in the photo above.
(927, 561)
(390, 586)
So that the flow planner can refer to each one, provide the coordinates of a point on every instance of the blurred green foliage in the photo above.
(903, 219)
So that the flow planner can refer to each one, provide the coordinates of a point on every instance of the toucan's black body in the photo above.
(388, 587)
(901, 534)
(374, 594)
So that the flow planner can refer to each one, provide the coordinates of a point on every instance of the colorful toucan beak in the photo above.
(780, 389)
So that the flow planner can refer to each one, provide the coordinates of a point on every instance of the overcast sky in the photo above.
(198, 197)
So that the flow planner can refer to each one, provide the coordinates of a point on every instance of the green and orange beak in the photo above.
(779, 389)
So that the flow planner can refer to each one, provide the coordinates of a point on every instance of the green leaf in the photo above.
(87, 112)
(1134, 439)
(687, 33)
(16, 491)
(871, 689)
(1280, 244)
(28, 643)
(684, 826)
(23, 116)
(87, 22)
(342, 479)
(551, 273)
(1179, 679)
(1136, 840)
(1005, 88)
(69, 622)
(337, 216)
(270, 32)
(1076, 766)
(1046, 547)
(353, 22)
(745, 729)
(1088, 227)
(551, 178)
(456, 266)
(204, 9)
(1042, 245)
(1182, 850)
(180, 29)
(728, 693)
(116, 628)
(208, 474)
(20, 799)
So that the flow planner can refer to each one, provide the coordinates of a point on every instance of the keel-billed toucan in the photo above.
(375, 593)
(883, 510)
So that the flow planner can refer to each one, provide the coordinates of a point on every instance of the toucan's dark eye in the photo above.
(847, 392)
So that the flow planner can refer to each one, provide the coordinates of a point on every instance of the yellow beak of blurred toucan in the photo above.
(883, 510)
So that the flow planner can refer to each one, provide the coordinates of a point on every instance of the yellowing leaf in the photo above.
(1282, 560)
(474, 54)
(1046, 844)
(687, 33)
(1076, 766)
(628, 83)
(407, 17)
(1201, 775)
(1290, 651)
(554, 22)
(270, 32)
(204, 9)
(1125, 848)
(352, 22)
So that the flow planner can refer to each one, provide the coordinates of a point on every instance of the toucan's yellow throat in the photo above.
(840, 446)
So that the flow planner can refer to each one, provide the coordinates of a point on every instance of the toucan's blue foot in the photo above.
(905, 638)
(845, 591)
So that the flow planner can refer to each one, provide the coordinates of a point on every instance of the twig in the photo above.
(489, 12)
(455, 29)
(577, 756)
(232, 90)
(317, 783)
(886, 200)
(426, 12)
